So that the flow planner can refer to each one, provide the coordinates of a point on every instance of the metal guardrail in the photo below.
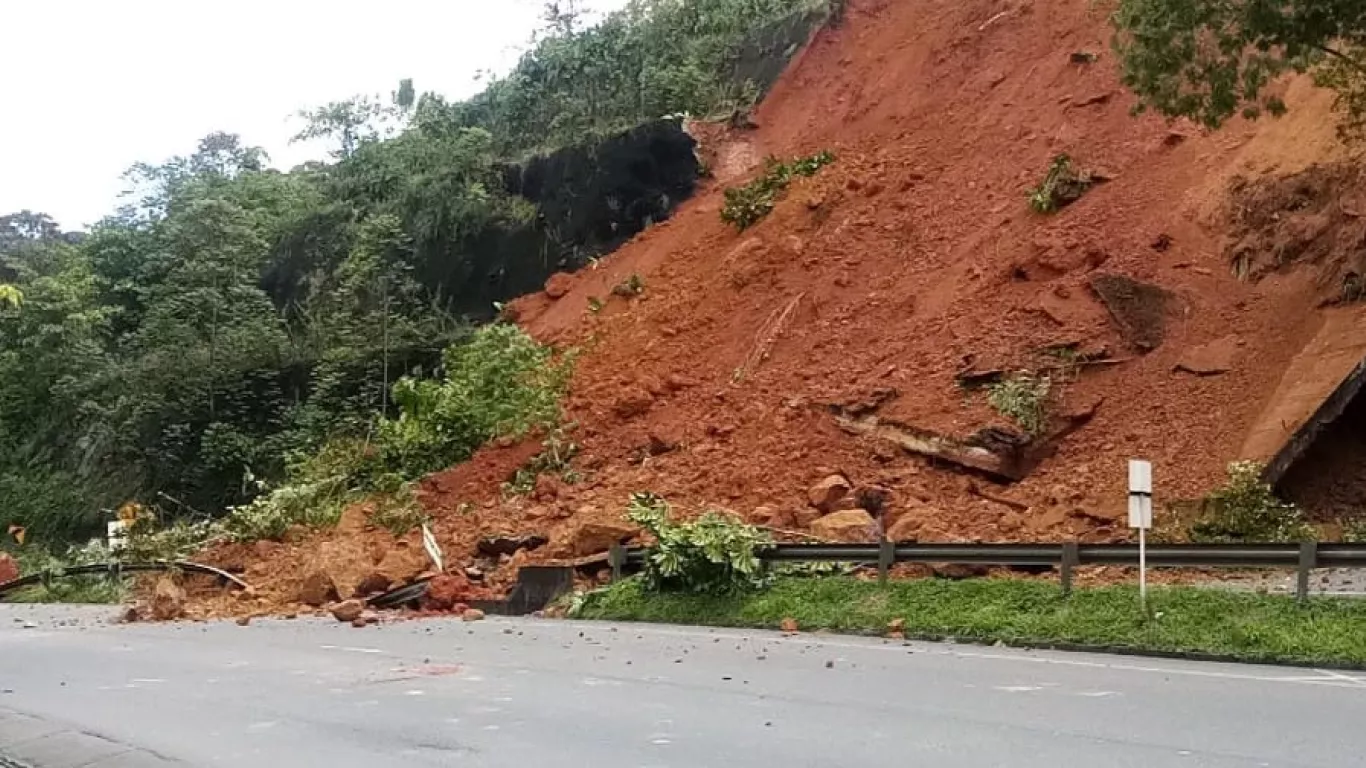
(1302, 556)
(115, 570)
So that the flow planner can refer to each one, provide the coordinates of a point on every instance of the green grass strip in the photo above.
(1241, 626)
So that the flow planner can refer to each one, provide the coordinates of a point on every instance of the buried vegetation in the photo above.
(1241, 626)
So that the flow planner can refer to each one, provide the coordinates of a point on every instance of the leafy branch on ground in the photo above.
(1239, 625)
(1024, 397)
(630, 287)
(1061, 186)
(715, 554)
(1245, 508)
(1209, 60)
(746, 205)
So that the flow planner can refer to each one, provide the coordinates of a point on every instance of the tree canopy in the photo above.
(1211, 59)
(230, 320)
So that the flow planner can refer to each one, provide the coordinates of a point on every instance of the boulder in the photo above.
(827, 494)
(317, 589)
(558, 285)
(805, 517)
(593, 538)
(9, 568)
(168, 600)
(922, 525)
(850, 525)
(348, 611)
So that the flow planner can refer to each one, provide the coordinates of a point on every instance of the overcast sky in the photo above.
(93, 86)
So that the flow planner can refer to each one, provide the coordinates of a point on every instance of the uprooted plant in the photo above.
(1245, 508)
(746, 205)
(1061, 186)
(1024, 397)
(557, 451)
(714, 554)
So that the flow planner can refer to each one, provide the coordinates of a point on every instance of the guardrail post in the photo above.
(1309, 557)
(616, 557)
(886, 555)
(1070, 558)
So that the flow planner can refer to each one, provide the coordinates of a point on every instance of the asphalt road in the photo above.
(76, 691)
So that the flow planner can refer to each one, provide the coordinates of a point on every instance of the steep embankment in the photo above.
(910, 260)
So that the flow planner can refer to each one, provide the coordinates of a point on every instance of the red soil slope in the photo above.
(912, 257)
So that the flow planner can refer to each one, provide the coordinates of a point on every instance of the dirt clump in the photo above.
(1314, 216)
(317, 589)
(828, 494)
(168, 599)
(9, 568)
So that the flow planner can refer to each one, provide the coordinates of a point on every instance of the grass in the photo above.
(1241, 626)
(75, 589)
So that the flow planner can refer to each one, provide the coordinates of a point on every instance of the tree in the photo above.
(1211, 59)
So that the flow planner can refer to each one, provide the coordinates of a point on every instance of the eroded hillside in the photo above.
(853, 320)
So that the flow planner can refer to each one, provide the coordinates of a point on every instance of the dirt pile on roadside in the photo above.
(888, 287)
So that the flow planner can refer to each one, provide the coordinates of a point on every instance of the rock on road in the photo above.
(75, 690)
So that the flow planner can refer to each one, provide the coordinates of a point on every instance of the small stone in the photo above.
(472, 614)
(789, 625)
(827, 494)
(830, 664)
(558, 285)
(243, 621)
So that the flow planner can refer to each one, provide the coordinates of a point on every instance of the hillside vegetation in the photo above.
(208, 340)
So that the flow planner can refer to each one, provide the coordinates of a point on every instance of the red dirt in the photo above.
(910, 257)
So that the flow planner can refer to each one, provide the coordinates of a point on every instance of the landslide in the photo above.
(873, 285)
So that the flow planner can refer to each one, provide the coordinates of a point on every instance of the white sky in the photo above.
(93, 86)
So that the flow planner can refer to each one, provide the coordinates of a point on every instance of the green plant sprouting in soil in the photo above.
(1062, 186)
(746, 205)
(715, 554)
(556, 454)
(1024, 397)
(1245, 508)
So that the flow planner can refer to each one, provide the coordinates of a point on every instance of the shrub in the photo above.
(499, 383)
(1062, 186)
(714, 554)
(177, 541)
(311, 505)
(1025, 398)
(746, 205)
(398, 512)
(1245, 508)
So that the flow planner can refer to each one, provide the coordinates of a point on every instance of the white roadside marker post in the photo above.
(1141, 517)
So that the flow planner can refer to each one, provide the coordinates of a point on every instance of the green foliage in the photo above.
(1024, 397)
(714, 554)
(398, 512)
(746, 205)
(1237, 625)
(652, 58)
(1245, 508)
(232, 322)
(180, 540)
(1210, 59)
(500, 383)
(90, 589)
(556, 454)
(1062, 186)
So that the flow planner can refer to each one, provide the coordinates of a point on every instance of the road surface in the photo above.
(77, 691)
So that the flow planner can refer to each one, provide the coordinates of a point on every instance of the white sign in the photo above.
(1140, 494)
(117, 535)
